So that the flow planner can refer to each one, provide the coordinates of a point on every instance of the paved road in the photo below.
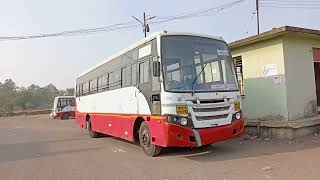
(36, 147)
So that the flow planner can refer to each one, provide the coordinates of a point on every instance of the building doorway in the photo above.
(316, 58)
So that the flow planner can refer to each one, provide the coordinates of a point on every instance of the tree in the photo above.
(7, 95)
(34, 97)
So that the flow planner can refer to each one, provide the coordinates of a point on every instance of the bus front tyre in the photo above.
(145, 141)
(92, 133)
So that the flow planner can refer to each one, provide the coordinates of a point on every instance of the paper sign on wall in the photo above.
(269, 70)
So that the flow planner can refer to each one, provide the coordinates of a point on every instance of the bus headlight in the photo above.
(179, 120)
(183, 121)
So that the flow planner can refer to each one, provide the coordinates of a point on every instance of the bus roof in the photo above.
(144, 40)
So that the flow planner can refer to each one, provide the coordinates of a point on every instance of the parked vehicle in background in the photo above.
(167, 90)
(63, 107)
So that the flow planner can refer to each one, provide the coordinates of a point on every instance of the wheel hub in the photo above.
(146, 139)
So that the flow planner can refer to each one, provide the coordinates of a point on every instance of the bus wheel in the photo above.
(65, 116)
(92, 134)
(145, 141)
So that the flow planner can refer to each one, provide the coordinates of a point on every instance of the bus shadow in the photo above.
(238, 149)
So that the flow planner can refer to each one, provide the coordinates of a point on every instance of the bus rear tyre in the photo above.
(65, 116)
(145, 141)
(92, 134)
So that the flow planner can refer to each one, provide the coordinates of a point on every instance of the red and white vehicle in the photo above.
(167, 90)
(63, 107)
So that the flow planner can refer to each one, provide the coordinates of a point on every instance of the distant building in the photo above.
(279, 75)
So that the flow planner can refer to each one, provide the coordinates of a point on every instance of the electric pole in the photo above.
(258, 23)
(145, 25)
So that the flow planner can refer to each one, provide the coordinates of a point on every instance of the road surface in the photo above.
(36, 147)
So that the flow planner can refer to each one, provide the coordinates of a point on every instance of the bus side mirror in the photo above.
(156, 68)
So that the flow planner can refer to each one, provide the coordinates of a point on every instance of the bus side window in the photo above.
(141, 73)
(117, 79)
(81, 89)
(134, 74)
(128, 76)
(123, 77)
(110, 80)
(144, 71)
(90, 87)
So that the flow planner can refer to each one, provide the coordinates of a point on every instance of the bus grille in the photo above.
(206, 118)
(211, 110)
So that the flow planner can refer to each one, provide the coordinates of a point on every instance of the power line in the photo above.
(250, 22)
(128, 25)
(290, 7)
(199, 13)
(290, 4)
(290, 1)
(294, 4)
(118, 26)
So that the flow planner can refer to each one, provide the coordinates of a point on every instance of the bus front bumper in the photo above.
(180, 136)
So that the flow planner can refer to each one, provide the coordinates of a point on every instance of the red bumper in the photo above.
(179, 136)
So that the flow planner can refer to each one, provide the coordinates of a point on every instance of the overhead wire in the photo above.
(127, 25)
(250, 22)
(293, 4)
(199, 13)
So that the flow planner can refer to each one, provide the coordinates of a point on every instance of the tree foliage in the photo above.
(13, 98)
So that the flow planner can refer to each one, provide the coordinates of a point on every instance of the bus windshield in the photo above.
(197, 64)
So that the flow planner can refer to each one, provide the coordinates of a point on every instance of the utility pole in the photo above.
(145, 25)
(258, 23)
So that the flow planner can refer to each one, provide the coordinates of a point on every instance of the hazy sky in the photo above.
(59, 60)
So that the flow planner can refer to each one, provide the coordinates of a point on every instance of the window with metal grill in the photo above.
(239, 71)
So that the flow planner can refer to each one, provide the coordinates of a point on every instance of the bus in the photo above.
(167, 90)
(63, 107)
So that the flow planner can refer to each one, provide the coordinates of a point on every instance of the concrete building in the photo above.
(279, 75)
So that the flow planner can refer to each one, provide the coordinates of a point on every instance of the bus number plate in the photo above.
(182, 109)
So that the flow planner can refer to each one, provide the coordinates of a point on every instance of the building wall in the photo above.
(263, 99)
(300, 77)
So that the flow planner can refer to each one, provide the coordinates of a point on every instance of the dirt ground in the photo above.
(36, 147)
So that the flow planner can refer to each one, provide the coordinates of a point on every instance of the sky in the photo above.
(58, 60)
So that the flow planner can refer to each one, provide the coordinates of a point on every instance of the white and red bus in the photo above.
(63, 107)
(167, 90)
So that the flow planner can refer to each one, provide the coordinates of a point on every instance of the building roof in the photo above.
(275, 32)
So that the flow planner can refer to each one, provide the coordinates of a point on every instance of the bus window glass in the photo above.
(117, 78)
(146, 72)
(90, 86)
(134, 74)
(128, 76)
(205, 64)
(93, 85)
(123, 77)
(111, 82)
(141, 72)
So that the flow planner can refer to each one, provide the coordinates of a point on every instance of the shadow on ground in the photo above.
(239, 148)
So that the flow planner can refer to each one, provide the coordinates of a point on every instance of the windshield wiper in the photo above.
(195, 79)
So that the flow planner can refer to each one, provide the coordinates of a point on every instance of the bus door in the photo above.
(144, 85)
